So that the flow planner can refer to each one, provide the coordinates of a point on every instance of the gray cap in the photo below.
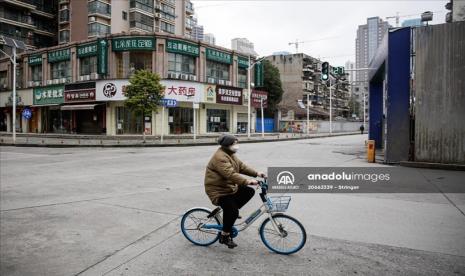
(226, 140)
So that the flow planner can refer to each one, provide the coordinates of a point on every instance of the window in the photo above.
(141, 21)
(167, 9)
(181, 120)
(145, 5)
(99, 7)
(218, 71)
(165, 27)
(181, 64)
(87, 65)
(3, 80)
(36, 72)
(98, 29)
(242, 78)
(125, 15)
(61, 70)
(64, 15)
(64, 36)
(127, 122)
(217, 120)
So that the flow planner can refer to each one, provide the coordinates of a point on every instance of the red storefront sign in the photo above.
(86, 95)
(256, 97)
(228, 95)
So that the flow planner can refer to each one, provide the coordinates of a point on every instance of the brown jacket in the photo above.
(222, 175)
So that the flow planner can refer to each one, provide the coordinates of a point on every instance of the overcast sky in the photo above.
(271, 25)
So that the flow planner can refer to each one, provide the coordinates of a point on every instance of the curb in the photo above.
(437, 166)
(170, 145)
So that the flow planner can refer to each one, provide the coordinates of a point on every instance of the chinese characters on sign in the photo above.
(181, 90)
(80, 96)
(175, 46)
(228, 95)
(219, 56)
(133, 43)
(35, 60)
(243, 62)
(48, 95)
(87, 50)
(256, 97)
(59, 55)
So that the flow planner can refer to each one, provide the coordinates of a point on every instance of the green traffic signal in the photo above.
(325, 71)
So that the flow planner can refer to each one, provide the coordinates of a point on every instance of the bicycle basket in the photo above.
(279, 203)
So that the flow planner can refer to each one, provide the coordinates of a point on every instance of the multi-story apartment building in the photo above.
(301, 76)
(80, 20)
(78, 87)
(243, 45)
(32, 21)
(197, 32)
(368, 39)
(209, 38)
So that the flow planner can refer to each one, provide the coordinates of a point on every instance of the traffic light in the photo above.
(325, 71)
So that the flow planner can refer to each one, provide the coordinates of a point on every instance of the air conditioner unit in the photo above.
(222, 82)
(228, 83)
(177, 75)
(81, 78)
(49, 82)
(37, 83)
(184, 77)
(56, 81)
(211, 80)
(158, 6)
(192, 77)
(157, 15)
(170, 76)
(92, 19)
(30, 83)
(93, 76)
(62, 80)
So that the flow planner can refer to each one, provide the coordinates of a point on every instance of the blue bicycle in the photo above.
(281, 233)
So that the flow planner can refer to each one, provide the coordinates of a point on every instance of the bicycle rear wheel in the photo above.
(290, 238)
(191, 223)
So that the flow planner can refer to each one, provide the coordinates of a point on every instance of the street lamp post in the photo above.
(249, 93)
(330, 108)
(14, 44)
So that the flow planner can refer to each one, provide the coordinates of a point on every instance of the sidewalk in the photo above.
(67, 140)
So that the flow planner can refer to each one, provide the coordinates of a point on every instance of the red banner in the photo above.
(256, 97)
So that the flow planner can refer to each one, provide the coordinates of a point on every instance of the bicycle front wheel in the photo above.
(288, 238)
(191, 227)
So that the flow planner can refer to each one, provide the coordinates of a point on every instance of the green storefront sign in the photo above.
(35, 59)
(59, 55)
(133, 43)
(87, 50)
(48, 95)
(219, 56)
(242, 62)
(180, 47)
(259, 72)
(102, 56)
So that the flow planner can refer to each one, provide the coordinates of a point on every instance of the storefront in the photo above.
(132, 54)
(24, 124)
(48, 99)
(86, 116)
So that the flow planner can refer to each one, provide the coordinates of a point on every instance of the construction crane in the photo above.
(297, 42)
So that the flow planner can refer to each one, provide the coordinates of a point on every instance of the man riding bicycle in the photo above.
(226, 187)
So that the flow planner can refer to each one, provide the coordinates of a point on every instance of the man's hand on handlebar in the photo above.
(261, 174)
(252, 182)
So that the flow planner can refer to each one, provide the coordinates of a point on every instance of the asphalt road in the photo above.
(116, 211)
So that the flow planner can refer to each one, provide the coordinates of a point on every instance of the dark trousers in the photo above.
(232, 203)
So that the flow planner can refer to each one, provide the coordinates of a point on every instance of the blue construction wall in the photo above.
(398, 94)
(268, 122)
(375, 102)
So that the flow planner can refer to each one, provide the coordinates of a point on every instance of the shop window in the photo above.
(217, 70)
(178, 63)
(127, 122)
(120, 66)
(36, 72)
(217, 120)
(242, 78)
(87, 65)
(3, 80)
(61, 69)
(140, 61)
(180, 120)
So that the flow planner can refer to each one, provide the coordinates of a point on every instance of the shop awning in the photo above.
(78, 107)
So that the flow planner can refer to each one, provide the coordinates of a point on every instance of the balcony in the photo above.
(189, 8)
(29, 4)
(99, 9)
(134, 4)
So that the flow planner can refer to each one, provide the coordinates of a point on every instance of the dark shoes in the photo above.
(227, 240)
